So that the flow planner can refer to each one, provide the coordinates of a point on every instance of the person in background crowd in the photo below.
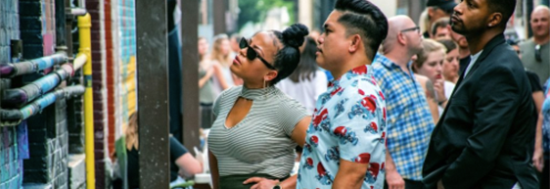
(451, 65)
(410, 123)
(307, 82)
(182, 163)
(220, 56)
(536, 50)
(315, 35)
(485, 138)
(515, 46)
(345, 141)
(435, 10)
(206, 90)
(175, 91)
(538, 98)
(429, 93)
(545, 117)
(429, 63)
(257, 126)
(440, 29)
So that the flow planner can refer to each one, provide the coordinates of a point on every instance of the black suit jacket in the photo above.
(485, 137)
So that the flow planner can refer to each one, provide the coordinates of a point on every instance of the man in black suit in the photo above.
(486, 135)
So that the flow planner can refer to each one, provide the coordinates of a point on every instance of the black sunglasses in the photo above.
(537, 53)
(251, 54)
(417, 29)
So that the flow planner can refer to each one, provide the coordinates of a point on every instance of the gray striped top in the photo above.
(261, 142)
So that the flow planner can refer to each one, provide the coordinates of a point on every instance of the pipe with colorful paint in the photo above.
(27, 93)
(10, 70)
(41, 103)
(85, 39)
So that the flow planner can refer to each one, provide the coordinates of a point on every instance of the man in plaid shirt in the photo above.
(410, 123)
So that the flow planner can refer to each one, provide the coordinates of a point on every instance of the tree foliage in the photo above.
(256, 10)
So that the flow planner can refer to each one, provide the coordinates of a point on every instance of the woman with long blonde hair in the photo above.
(221, 61)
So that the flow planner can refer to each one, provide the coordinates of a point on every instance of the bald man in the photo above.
(409, 124)
(536, 51)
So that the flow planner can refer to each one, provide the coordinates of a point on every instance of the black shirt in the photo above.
(534, 80)
(133, 168)
(176, 150)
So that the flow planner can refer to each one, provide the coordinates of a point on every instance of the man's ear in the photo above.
(355, 44)
(401, 38)
(495, 19)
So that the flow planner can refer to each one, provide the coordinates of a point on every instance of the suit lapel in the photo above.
(497, 40)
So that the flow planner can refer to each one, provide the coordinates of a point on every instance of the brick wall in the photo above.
(96, 10)
(111, 104)
(10, 160)
(48, 136)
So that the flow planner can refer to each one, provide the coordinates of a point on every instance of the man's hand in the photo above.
(394, 180)
(538, 159)
(261, 183)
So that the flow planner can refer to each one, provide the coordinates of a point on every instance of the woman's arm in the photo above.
(427, 85)
(206, 77)
(299, 132)
(219, 75)
(189, 166)
(213, 162)
(538, 157)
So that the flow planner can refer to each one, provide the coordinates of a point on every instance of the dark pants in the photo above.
(206, 115)
(545, 177)
(236, 181)
(409, 184)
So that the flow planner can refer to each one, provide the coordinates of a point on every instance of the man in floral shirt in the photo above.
(345, 141)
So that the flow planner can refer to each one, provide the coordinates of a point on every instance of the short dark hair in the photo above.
(288, 57)
(449, 44)
(505, 7)
(364, 18)
(440, 23)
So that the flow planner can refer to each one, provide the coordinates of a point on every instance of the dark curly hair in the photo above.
(288, 57)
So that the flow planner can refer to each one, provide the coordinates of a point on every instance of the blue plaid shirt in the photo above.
(410, 123)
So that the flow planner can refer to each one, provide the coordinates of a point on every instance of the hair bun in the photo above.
(294, 36)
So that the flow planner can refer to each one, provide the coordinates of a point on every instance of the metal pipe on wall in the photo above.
(26, 67)
(85, 39)
(33, 90)
(41, 103)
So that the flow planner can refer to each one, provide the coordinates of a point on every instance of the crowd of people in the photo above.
(398, 112)
(376, 102)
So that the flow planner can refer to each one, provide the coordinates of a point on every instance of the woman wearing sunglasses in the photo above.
(257, 126)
